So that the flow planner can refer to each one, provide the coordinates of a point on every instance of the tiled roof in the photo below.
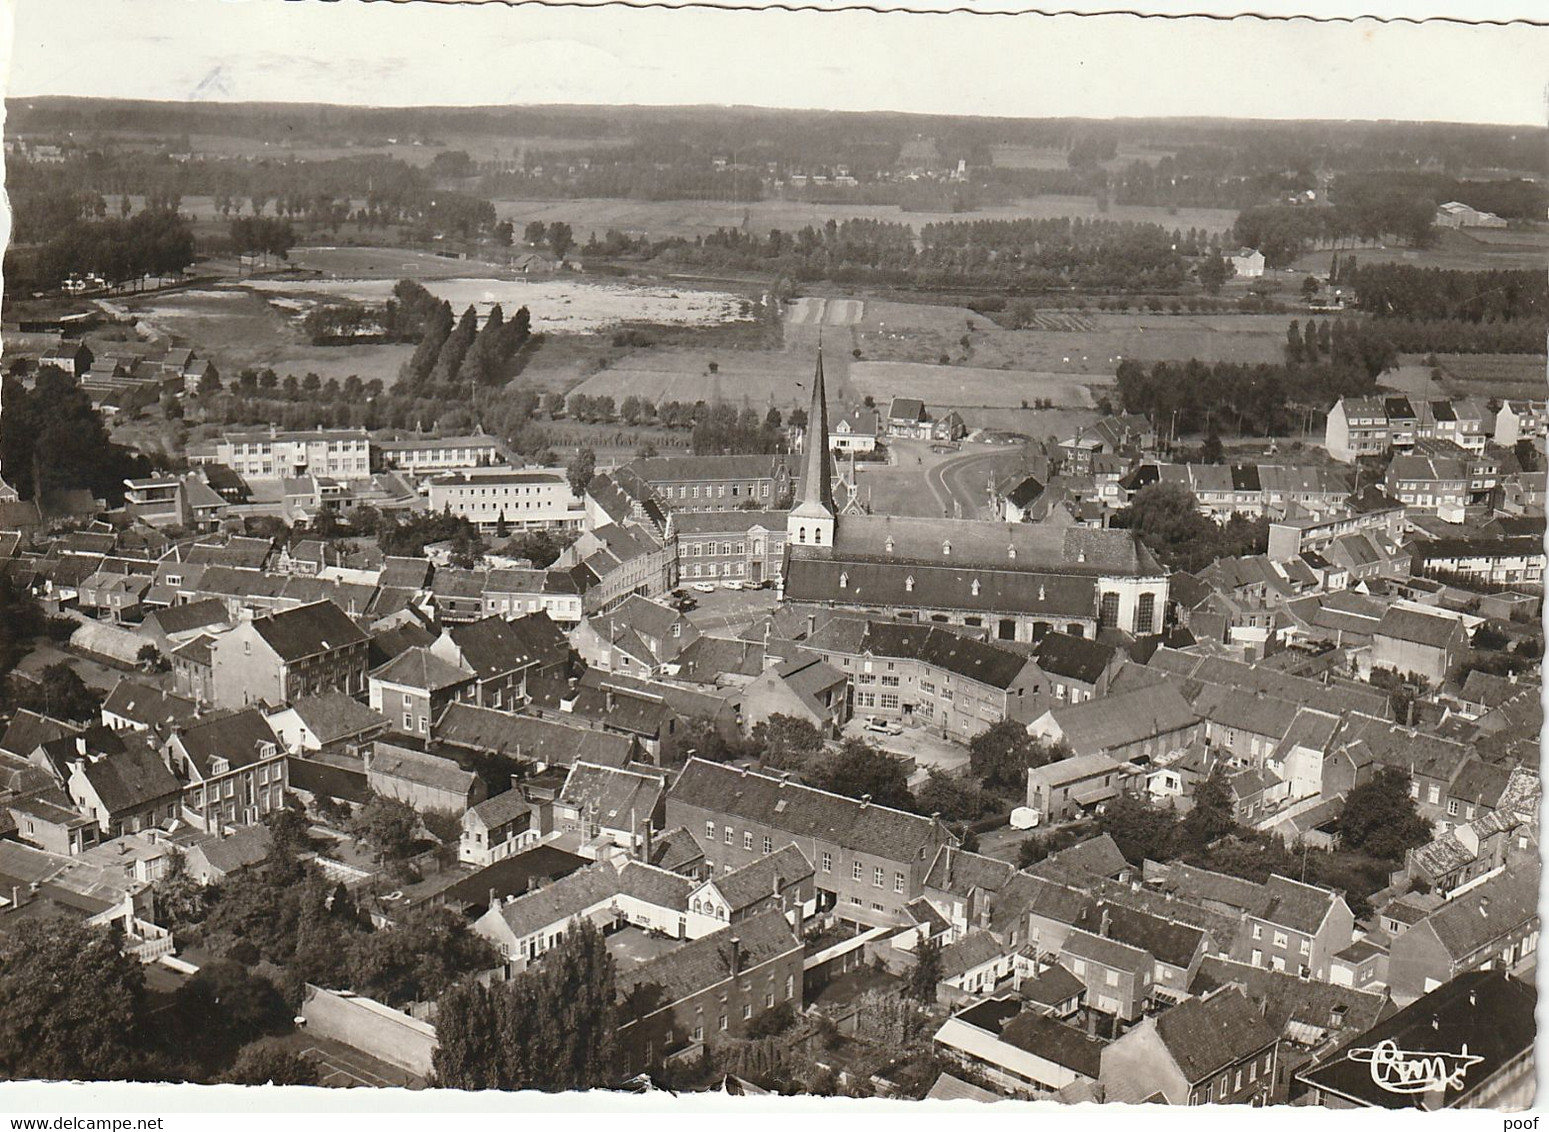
(960, 872)
(707, 961)
(1108, 952)
(1064, 1045)
(309, 630)
(1432, 630)
(675, 849)
(1206, 1035)
(514, 876)
(133, 778)
(1291, 904)
(673, 469)
(501, 809)
(974, 950)
(758, 879)
(1095, 857)
(408, 765)
(423, 670)
(1191, 883)
(494, 645)
(332, 716)
(533, 740)
(29, 730)
(611, 797)
(237, 850)
(238, 737)
(1052, 987)
(1078, 658)
(804, 812)
(1026, 894)
(573, 894)
(190, 616)
(1102, 724)
(1475, 919)
(148, 705)
(1170, 942)
(941, 586)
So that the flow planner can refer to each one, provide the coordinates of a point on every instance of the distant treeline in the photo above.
(1393, 290)
(1249, 400)
(155, 242)
(1388, 337)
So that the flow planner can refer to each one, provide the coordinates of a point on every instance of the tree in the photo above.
(1214, 814)
(1000, 755)
(858, 770)
(209, 381)
(1140, 828)
(1381, 818)
(177, 898)
(535, 232)
(954, 797)
(419, 958)
(580, 470)
(1213, 274)
(71, 1002)
(560, 238)
(927, 971)
(263, 1064)
(389, 826)
(226, 1006)
(1310, 287)
(551, 1028)
(149, 658)
(786, 742)
(1211, 452)
(59, 692)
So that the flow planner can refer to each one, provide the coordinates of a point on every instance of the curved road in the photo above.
(964, 480)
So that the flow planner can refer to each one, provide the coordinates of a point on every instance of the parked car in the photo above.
(731, 584)
(684, 604)
(704, 587)
(884, 726)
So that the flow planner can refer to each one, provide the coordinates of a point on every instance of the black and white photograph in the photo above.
(696, 552)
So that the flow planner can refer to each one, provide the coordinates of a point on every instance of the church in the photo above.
(1009, 581)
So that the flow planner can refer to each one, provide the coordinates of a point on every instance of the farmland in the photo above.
(1482, 376)
(757, 378)
(961, 386)
(1476, 250)
(660, 220)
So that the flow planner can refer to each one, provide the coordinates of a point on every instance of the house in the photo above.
(127, 791)
(523, 740)
(232, 768)
(283, 656)
(326, 721)
(781, 882)
(1217, 1049)
(1412, 641)
(1176, 950)
(1142, 724)
(1468, 1044)
(713, 987)
(173, 625)
(856, 431)
(512, 876)
(1058, 790)
(507, 499)
(1506, 562)
(1117, 975)
(638, 637)
(604, 805)
(425, 781)
(1075, 669)
(51, 824)
(503, 654)
(907, 418)
(497, 828)
(1520, 420)
(1297, 927)
(133, 706)
(803, 687)
(1493, 925)
(871, 860)
(1023, 1053)
(412, 690)
(928, 676)
(193, 668)
(211, 860)
(714, 483)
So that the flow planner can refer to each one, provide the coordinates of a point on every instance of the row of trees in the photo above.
(1251, 400)
(118, 250)
(1402, 291)
(1284, 232)
(461, 355)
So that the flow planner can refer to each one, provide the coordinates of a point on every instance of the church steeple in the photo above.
(811, 521)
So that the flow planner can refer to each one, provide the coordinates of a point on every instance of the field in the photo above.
(663, 219)
(1090, 343)
(1475, 250)
(238, 329)
(758, 378)
(1480, 376)
(955, 386)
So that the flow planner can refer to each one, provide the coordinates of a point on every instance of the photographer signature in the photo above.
(1415, 1071)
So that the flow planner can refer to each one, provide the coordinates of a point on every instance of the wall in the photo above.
(361, 1023)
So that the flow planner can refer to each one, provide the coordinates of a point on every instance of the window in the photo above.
(1434, 794)
(723, 1022)
(747, 1011)
(699, 1033)
(877, 876)
(1078, 967)
(828, 862)
(855, 870)
(1281, 939)
(747, 840)
(898, 882)
(1108, 611)
(1306, 947)
(890, 681)
(1258, 931)
(710, 830)
(769, 1000)
(1452, 807)
(1111, 978)
(768, 846)
(889, 699)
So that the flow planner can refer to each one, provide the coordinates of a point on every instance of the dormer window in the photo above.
(946, 548)
(219, 766)
(844, 581)
(1041, 596)
(974, 588)
(909, 584)
(1011, 552)
(888, 545)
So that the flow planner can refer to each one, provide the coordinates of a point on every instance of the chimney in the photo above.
(645, 841)
(608, 699)
(736, 955)
(1484, 907)
(812, 623)
(1104, 924)
(494, 899)
(80, 744)
(865, 800)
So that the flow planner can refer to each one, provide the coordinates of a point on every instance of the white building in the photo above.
(340, 453)
(522, 500)
(441, 454)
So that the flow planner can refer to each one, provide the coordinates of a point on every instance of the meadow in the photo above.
(965, 386)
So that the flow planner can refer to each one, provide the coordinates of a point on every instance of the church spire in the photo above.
(811, 522)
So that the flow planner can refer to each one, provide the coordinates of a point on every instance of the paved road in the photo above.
(963, 479)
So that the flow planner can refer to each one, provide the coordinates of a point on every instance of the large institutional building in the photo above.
(1016, 582)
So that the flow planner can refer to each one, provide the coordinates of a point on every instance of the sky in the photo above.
(1021, 66)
